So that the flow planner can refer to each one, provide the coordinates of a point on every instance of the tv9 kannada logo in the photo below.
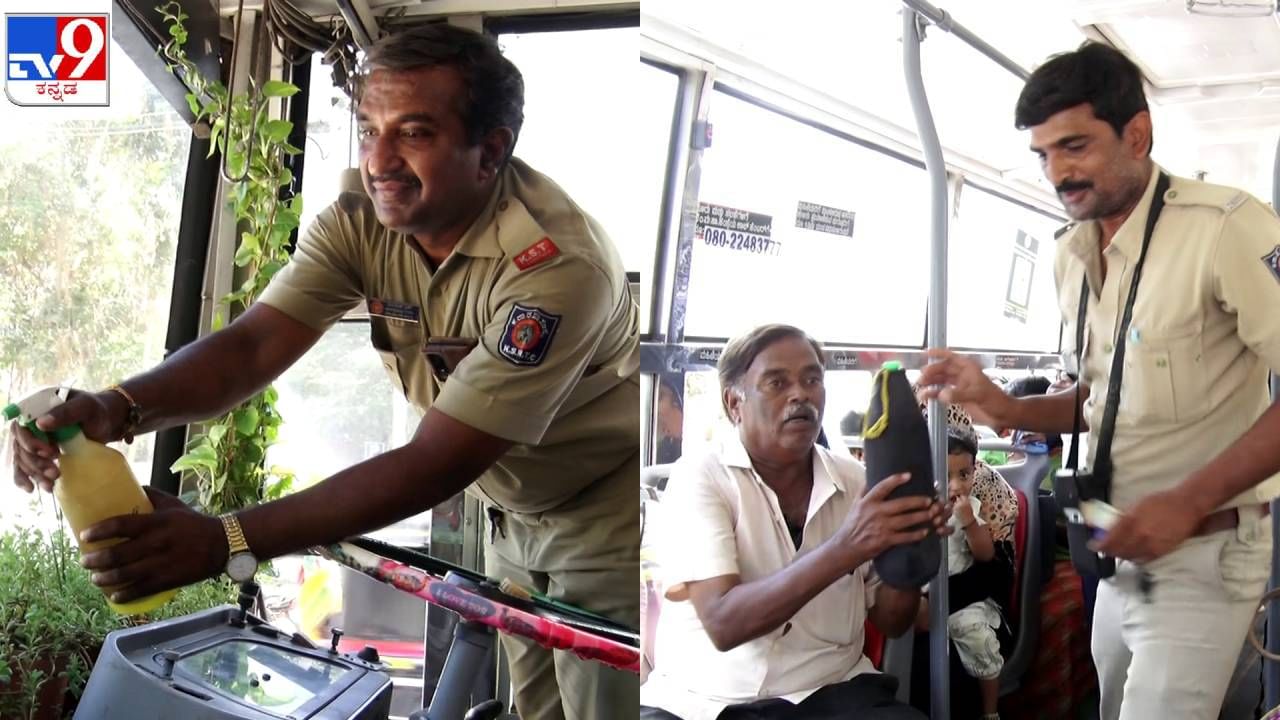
(57, 59)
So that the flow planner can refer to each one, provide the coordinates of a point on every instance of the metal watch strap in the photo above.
(134, 418)
(235, 536)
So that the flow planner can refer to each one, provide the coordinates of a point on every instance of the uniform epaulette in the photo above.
(1222, 197)
(1063, 230)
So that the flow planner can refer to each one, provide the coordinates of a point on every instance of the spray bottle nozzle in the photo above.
(38, 405)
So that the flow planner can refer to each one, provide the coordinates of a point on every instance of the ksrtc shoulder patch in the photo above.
(528, 335)
(1272, 260)
(536, 254)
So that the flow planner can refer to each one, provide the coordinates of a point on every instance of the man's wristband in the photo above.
(134, 417)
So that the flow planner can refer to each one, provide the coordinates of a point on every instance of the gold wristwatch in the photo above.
(241, 563)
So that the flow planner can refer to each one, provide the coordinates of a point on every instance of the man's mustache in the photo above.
(1070, 186)
(803, 412)
(405, 179)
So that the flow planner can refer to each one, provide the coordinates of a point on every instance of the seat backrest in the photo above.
(872, 643)
(1026, 475)
(1019, 549)
(655, 476)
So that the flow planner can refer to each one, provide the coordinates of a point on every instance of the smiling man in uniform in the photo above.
(540, 420)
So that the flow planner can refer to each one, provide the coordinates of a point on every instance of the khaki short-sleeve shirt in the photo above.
(1204, 333)
(540, 287)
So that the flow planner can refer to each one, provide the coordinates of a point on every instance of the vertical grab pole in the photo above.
(939, 649)
(1271, 670)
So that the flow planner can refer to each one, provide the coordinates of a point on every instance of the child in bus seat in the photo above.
(973, 627)
(976, 561)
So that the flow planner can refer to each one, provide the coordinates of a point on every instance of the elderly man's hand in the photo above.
(877, 523)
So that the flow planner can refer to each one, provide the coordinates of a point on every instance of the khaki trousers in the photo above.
(1173, 657)
(586, 553)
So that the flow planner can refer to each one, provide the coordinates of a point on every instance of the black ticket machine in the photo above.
(226, 664)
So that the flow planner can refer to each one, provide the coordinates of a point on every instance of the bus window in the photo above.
(88, 237)
(331, 142)
(578, 129)
(803, 226)
(654, 105)
(1000, 293)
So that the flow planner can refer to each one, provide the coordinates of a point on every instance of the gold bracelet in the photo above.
(134, 418)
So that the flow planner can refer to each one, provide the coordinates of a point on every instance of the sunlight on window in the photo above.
(88, 236)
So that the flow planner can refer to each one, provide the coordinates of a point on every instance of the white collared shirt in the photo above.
(719, 518)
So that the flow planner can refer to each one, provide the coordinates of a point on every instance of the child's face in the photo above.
(959, 474)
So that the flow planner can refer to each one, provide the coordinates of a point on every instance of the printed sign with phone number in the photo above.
(733, 229)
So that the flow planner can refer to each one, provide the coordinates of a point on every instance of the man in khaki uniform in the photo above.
(1194, 455)
(455, 239)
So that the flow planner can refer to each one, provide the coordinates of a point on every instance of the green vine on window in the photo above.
(228, 459)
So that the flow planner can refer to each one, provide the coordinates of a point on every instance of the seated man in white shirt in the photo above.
(765, 548)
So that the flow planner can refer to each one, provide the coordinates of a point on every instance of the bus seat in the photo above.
(652, 480)
(1024, 607)
(873, 643)
(1026, 475)
(655, 476)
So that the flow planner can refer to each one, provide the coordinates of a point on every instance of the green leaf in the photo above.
(216, 433)
(285, 178)
(269, 271)
(290, 149)
(245, 254)
(270, 395)
(193, 102)
(235, 162)
(203, 456)
(277, 130)
(246, 420)
(277, 88)
(218, 321)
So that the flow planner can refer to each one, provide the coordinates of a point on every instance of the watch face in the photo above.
(242, 566)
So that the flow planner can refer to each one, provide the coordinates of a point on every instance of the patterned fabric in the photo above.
(999, 501)
(1061, 679)
(973, 631)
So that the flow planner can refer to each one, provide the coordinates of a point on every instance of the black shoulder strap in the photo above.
(1101, 469)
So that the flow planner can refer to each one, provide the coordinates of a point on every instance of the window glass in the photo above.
(1001, 292)
(655, 106)
(88, 236)
(806, 228)
(331, 144)
(581, 128)
(340, 409)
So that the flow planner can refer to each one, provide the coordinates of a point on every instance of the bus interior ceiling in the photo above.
(1213, 81)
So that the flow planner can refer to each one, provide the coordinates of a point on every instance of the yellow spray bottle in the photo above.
(96, 484)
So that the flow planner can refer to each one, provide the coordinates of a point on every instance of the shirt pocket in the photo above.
(835, 615)
(398, 342)
(1164, 376)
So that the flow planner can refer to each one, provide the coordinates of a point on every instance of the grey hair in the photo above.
(742, 351)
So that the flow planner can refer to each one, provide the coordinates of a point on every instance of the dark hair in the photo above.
(495, 88)
(1096, 74)
(851, 424)
(742, 351)
(957, 445)
(1026, 386)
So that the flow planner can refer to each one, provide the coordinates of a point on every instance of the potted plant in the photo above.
(53, 622)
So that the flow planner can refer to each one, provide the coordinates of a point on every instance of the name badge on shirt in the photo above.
(392, 309)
